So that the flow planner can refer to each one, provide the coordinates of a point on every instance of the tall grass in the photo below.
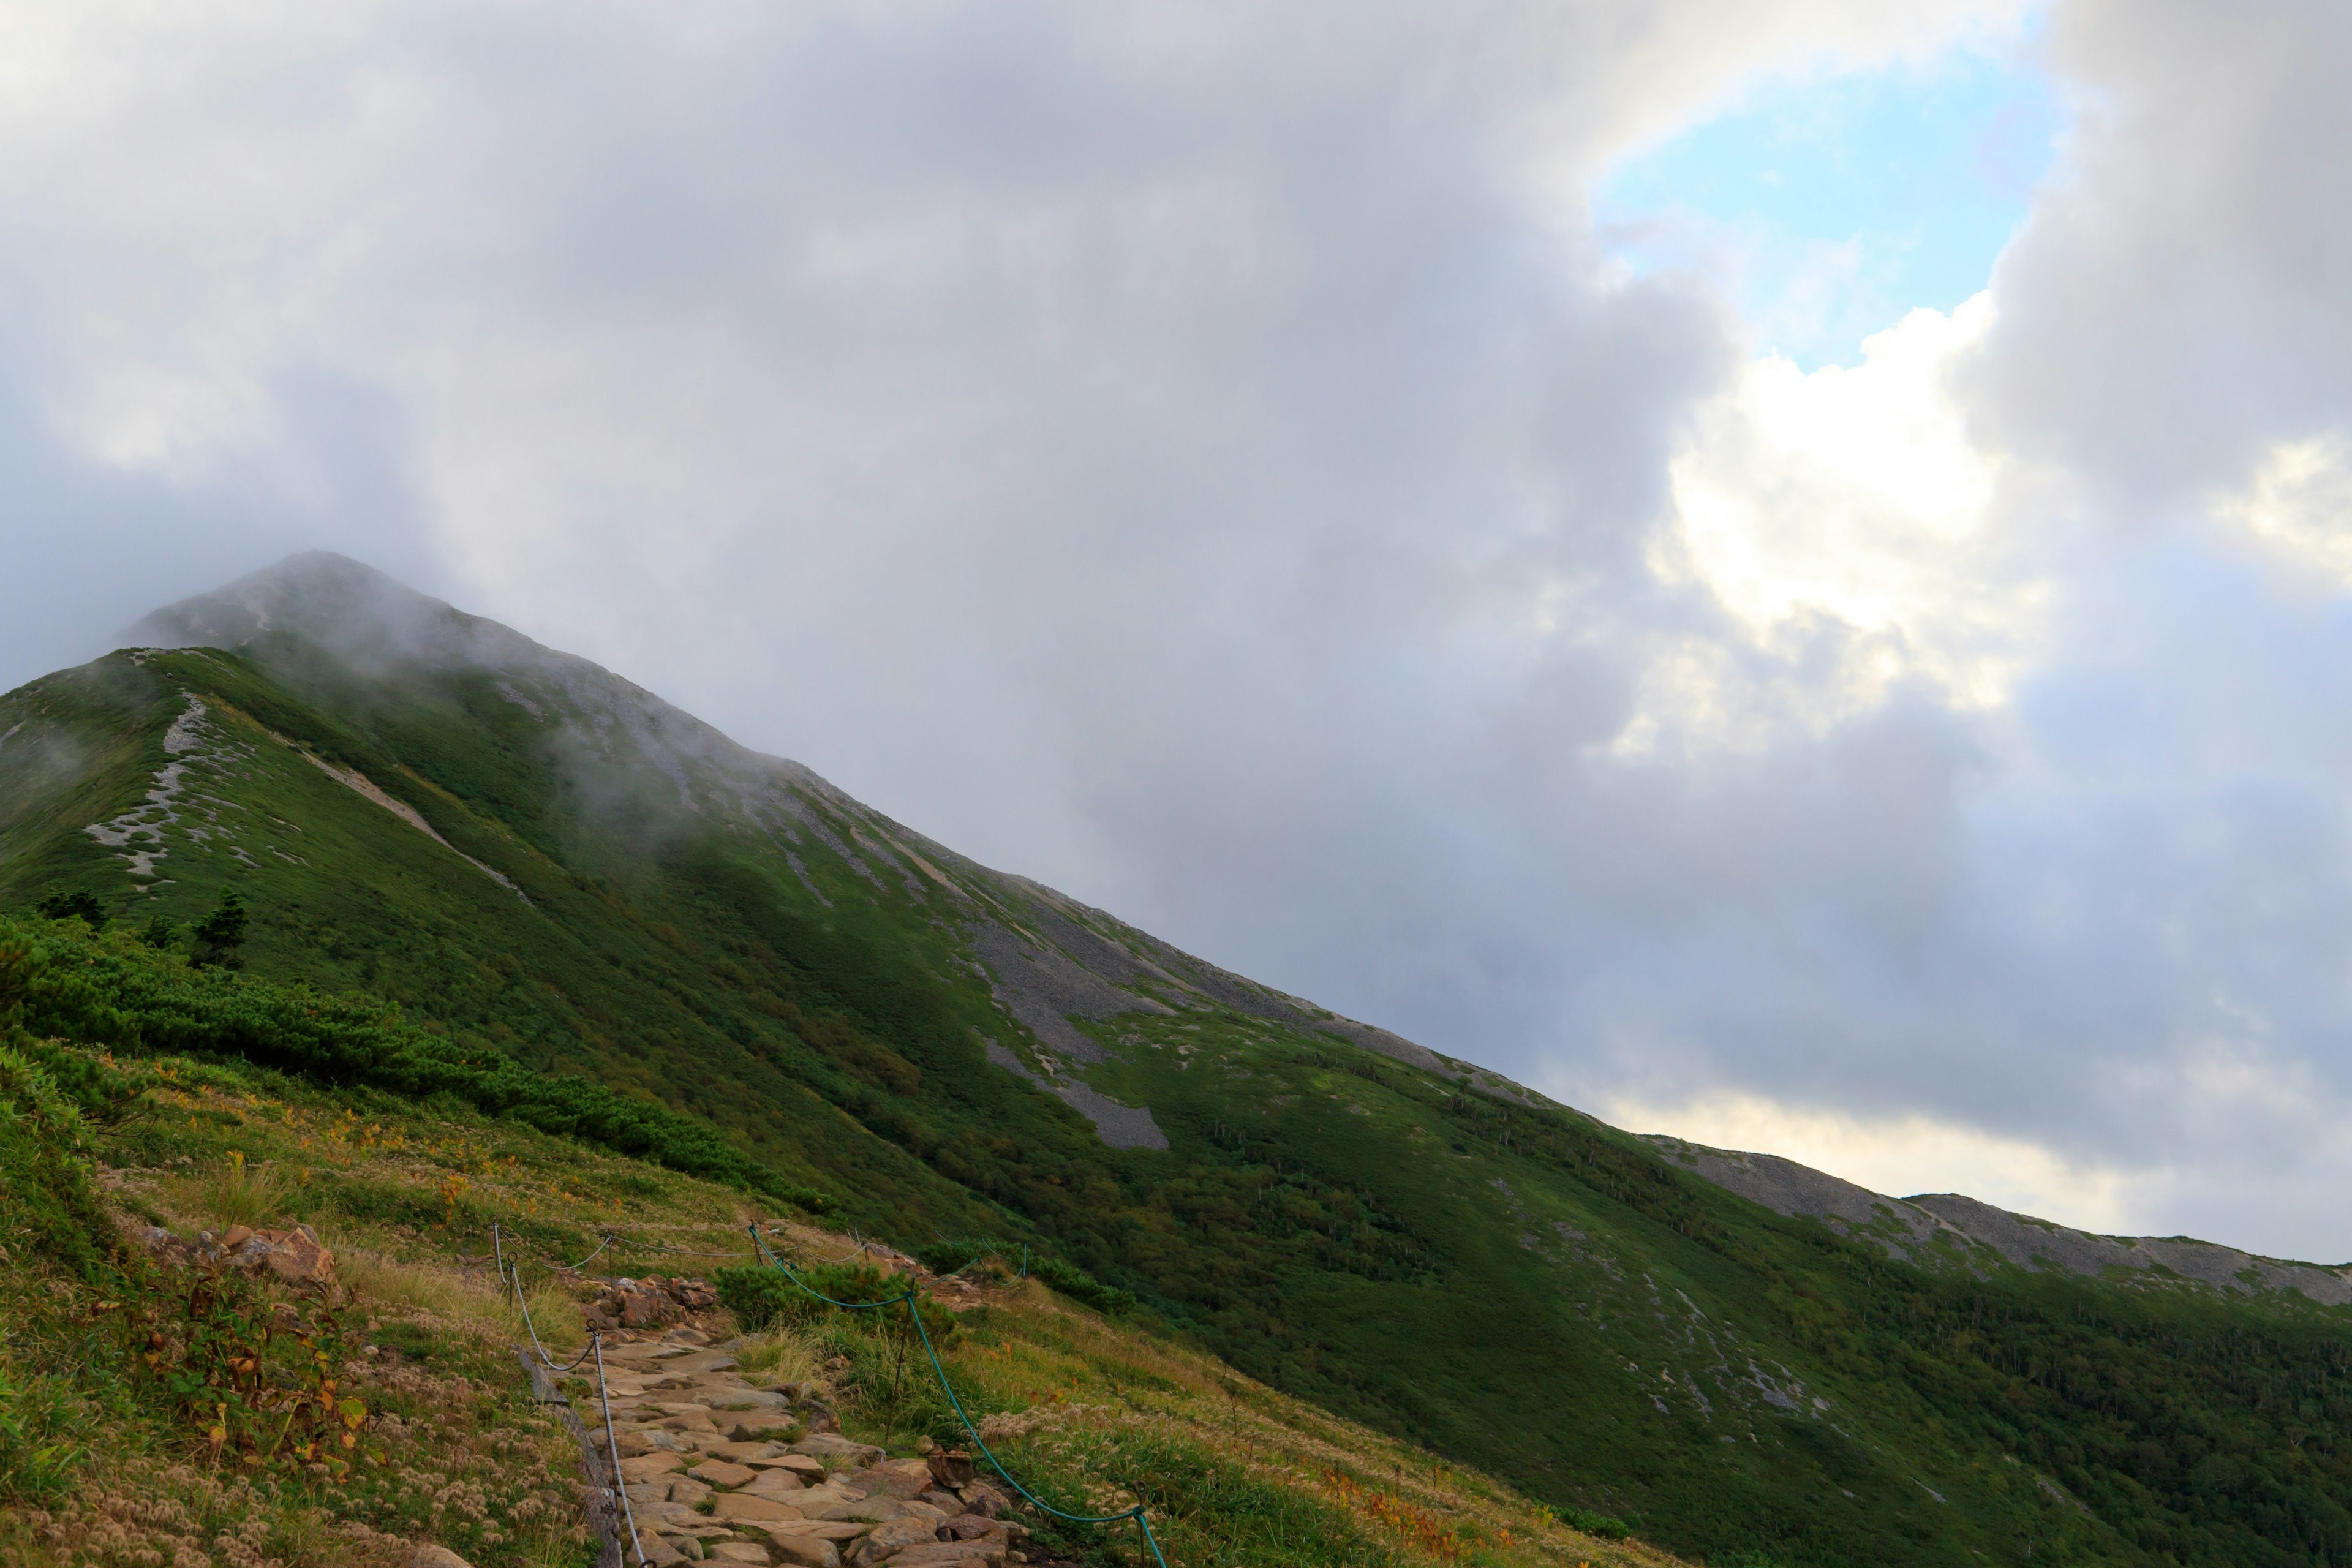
(778, 1355)
(389, 1287)
(233, 1192)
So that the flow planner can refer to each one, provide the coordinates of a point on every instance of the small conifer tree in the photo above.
(62, 903)
(220, 933)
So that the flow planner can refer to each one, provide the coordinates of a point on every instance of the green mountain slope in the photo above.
(548, 868)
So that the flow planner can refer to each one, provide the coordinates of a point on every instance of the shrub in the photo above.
(760, 1297)
(60, 903)
(47, 1204)
(122, 996)
(1080, 1286)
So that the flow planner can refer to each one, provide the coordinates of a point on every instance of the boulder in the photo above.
(888, 1539)
(836, 1449)
(951, 1467)
(296, 1256)
(899, 1478)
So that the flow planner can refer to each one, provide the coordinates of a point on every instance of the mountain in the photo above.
(551, 871)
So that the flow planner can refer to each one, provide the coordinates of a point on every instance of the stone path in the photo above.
(721, 1468)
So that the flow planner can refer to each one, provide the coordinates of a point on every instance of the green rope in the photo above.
(907, 1298)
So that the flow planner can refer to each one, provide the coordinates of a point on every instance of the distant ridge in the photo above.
(1951, 1227)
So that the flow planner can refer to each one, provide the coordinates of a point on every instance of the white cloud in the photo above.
(2296, 509)
(1903, 1155)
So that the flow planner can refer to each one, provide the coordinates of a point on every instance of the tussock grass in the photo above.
(778, 1355)
(233, 1192)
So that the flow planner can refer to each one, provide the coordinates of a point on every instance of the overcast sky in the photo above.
(1781, 572)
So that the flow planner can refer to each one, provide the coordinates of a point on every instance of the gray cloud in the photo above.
(1203, 459)
(2179, 298)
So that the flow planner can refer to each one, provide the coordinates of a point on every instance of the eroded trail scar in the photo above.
(138, 835)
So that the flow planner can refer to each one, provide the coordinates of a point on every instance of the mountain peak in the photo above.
(345, 605)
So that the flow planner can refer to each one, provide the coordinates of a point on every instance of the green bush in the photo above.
(1608, 1528)
(122, 995)
(1080, 1286)
(46, 1206)
(759, 1296)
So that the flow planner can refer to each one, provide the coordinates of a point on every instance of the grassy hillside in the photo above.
(612, 897)
(104, 1459)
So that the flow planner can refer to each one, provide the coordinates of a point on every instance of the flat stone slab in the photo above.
(738, 1505)
(805, 1529)
(720, 1473)
(946, 1553)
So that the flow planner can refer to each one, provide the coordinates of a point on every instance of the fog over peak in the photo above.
(1209, 460)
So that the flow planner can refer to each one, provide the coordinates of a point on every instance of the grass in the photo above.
(1086, 1409)
(778, 1355)
(233, 1191)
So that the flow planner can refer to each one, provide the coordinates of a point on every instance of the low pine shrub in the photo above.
(1080, 1286)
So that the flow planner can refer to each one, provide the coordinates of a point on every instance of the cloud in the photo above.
(1204, 457)
(2177, 302)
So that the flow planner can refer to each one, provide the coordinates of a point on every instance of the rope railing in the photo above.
(914, 1313)
(604, 1388)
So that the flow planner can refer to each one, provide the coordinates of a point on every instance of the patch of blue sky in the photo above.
(1834, 207)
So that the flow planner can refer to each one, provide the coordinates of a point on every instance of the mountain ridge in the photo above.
(1395, 1235)
(1072, 970)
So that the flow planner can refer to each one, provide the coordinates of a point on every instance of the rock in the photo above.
(739, 1505)
(781, 1485)
(832, 1530)
(720, 1473)
(660, 1553)
(235, 1236)
(755, 1434)
(807, 1550)
(899, 1478)
(972, 1527)
(887, 1540)
(839, 1451)
(743, 1453)
(951, 1469)
(948, 1554)
(436, 1557)
(296, 1256)
(688, 1547)
(660, 1462)
(688, 1490)
(946, 1502)
(803, 1465)
(739, 1552)
(983, 1500)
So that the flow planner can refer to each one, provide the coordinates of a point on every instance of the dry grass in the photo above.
(468, 1303)
(233, 1192)
(778, 1355)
